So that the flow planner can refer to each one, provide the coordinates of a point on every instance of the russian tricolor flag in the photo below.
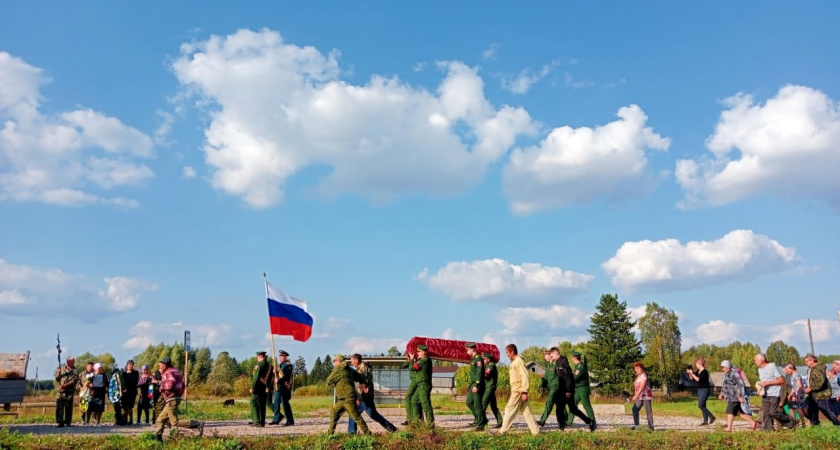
(287, 315)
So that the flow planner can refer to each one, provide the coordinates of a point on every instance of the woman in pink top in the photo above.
(642, 396)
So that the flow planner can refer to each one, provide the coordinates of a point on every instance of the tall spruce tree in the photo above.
(613, 348)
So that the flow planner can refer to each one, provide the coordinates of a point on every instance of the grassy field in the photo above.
(811, 438)
(212, 409)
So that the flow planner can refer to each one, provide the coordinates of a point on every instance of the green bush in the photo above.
(313, 390)
(242, 386)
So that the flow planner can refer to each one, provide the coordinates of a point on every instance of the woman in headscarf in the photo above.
(642, 396)
(98, 385)
(144, 403)
(732, 392)
(131, 378)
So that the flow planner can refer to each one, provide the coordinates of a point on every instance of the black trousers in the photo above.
(64, 409)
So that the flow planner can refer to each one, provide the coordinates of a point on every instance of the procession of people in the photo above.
(566, 385)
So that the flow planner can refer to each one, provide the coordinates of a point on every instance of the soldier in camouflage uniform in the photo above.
(491, 377)
(342, 378)
(66, 379)
(475, 391)
(580, 373)
(366, 396)
(423, 395)
(259, 390)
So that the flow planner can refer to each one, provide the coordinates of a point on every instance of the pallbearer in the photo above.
(423, 395)
(581, 377)
(491, 377)
(475, 391)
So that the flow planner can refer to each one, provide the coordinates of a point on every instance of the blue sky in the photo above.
(475, 171)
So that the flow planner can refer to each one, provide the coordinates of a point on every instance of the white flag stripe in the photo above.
(280, 296)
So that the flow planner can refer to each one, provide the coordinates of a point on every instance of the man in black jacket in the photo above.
(567, 391)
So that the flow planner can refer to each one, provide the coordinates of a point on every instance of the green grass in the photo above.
(212, 409)
(825, 437)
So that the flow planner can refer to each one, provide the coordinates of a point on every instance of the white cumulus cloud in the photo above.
(277, 108)
(500, 280)
(27, 290)
(537, 321)
(579, 165)
(70, 158)
(145, 333)
(788, 147)
(720, 332)
(123, 293)
(648, 266)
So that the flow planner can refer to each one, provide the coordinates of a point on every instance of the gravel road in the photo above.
(319, 425)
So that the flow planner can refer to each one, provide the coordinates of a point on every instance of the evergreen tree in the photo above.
(660, 333)
(393, 351)
(300, 372)
(315, 374)
(613, 348)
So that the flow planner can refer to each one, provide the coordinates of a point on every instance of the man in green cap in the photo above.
(259, 390)
(580, 373)
(410, 411)
(422, 366)
(491, 377)
(171, 389)
(475, 391)
(342, 378)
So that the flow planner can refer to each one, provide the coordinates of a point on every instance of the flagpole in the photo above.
(273, 352)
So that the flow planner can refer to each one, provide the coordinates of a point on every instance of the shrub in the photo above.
(242, 386)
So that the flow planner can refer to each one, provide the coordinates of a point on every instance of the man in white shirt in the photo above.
(772, 381)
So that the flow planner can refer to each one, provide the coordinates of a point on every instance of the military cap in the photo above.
(576, 353)
(260, 353)
(470, 345)
(423, 348)
(166, 360)
(339, 357)
(486, 355)
(283, 353)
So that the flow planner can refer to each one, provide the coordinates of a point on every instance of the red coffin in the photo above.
(448, 350)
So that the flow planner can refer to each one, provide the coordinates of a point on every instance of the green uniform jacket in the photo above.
(412, 374)
(422, 370)
(342, 378)
(551, 378)
(68, 378)
(581, 374)
(476, 372)
(259, 376)
(491, 375)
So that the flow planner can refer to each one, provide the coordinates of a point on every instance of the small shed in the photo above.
(12, 378)
(535, 367)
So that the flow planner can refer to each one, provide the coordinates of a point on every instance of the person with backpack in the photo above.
(171, 390)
